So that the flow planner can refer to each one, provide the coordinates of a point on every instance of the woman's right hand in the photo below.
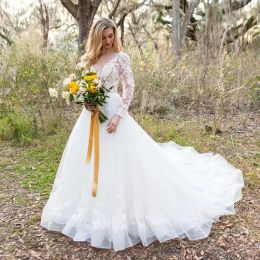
(90, 107)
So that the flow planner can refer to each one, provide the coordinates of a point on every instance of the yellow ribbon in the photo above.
(94, 134)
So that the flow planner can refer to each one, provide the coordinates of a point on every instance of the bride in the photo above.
(146, 190)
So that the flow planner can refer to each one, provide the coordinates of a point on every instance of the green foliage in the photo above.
(254, 92)
(200, 82)
(27, 110)
(18, 127)
(38, 165)
(53, 124)
(22, 128)
(27, 73)
(212, 84)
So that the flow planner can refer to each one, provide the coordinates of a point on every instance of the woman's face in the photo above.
(107, 38)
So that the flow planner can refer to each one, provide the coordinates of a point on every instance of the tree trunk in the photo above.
(187, 18)
(45, 22)
(84, 23)
(84, 13)
(238, 31)
(176, 28)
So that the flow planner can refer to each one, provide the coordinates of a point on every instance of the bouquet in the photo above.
(84, 87)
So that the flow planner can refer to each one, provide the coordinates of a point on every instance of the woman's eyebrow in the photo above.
(109, 34)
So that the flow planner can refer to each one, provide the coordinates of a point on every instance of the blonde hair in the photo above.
(94, 42)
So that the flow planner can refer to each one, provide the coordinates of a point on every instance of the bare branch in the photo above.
(5, 37)
(71, 7)
(138, 43)
(9, 19)
(113, 12)
(238, 31)
(227, 7)
(60, 25)
(234, 5)
(187, 18)
(131, 9)
(122, 18)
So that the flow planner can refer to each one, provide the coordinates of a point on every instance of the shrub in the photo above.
(18, 128)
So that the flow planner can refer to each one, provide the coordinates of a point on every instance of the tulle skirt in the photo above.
(147, 191)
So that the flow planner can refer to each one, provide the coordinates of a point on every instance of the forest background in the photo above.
(197, 82)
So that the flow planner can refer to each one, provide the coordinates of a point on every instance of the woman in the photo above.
(146, 191)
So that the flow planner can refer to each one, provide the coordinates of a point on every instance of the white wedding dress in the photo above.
(147, 191)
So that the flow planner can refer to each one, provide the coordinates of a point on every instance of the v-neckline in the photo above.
(109, 61)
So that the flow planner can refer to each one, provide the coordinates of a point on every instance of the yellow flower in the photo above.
(73, 86)
(92, 88)
(90, 77)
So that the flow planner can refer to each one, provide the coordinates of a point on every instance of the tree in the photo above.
(120, 14)
(176, 44)
(239, 30)
(6, 22)
(186, 20)
(45, 21)
(84, 12)
(189, 21)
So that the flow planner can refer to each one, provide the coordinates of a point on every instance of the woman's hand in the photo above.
(113, 123)
(90, 107)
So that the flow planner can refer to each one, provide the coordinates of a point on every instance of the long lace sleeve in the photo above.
(126, 73)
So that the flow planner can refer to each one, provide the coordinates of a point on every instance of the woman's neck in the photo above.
(107, 51)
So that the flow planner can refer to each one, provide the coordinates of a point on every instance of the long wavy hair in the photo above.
(94, 42)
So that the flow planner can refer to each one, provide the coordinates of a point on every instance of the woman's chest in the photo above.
(108, 72)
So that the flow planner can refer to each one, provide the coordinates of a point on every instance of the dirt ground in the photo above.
(22, 237)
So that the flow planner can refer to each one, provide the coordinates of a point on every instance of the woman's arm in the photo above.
(126, 73)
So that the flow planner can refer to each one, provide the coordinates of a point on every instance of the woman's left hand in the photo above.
(113, 123)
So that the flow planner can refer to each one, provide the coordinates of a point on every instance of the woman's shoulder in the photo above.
(123, 56)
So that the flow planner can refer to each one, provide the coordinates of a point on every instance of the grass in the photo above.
(33, 219)
(21, 200)
(4, 197)
(37, 164)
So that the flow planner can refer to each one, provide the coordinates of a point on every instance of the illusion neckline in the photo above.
(108, 62)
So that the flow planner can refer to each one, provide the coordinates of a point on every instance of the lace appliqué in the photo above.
(118, 68)
(126, 74)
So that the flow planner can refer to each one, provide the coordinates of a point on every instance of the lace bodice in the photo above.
(115, 70)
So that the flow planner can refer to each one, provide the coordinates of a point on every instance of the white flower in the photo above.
(82, 90)
(99, 85)
(66, 95)
(53, 92)
(72, 76)
(82, 82)
(80, 98)
(80, 65)
(66, 81)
